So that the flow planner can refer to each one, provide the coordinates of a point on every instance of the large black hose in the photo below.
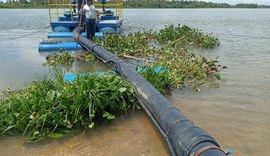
(184, 138)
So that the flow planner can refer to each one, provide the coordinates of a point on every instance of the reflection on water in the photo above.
(128, 135)
(236, 114)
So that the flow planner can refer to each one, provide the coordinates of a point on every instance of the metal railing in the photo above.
(117, 5)
(57, 7)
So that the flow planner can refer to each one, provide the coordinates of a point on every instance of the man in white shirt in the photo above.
(90, 15)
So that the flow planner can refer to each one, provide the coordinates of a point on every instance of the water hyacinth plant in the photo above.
(185, 36)
(188, 69)
(169, 49)
(171, 52)
(50, 107)
(137, 44)
(160, 79)
(67, 59)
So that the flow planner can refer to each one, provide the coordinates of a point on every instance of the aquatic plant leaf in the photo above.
(50, 95)
(123, 89)
(7, 129)
(17, 114)
(111, 117)
(91, 125)
(105, 114)
(218, 76)
(56, 135)
(64, 105)
(10, 119)
(92, 115)
(36, 133)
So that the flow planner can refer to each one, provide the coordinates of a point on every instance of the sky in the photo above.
(267, 2)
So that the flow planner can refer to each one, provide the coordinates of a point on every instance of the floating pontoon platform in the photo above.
(62, 27)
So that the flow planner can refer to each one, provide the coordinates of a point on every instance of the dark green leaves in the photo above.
(108, 116)
(218, 76)
(67, 59)
(170, 51)
(49, 107)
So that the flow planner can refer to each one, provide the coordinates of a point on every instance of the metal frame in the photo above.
(113, 4)
(57, 7)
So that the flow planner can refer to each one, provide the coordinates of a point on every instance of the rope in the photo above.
(29, 34)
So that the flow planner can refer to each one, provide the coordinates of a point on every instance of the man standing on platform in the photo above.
(90, 15)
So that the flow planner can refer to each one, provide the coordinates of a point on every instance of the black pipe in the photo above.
(185, 138)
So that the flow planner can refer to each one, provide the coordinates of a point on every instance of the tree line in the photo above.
(136, 4)
(24, 4)
(185, 4)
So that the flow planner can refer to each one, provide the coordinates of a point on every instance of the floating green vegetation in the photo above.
(169, 49)
(188, 69)
(139, 44)
(181, 69)
(185, 36)
(50, 107)
(67, 59)
(161, 80)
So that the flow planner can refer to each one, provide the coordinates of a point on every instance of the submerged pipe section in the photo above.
(184, 138)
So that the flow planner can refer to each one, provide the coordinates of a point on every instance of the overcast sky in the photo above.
(241, 1)
(230, 1)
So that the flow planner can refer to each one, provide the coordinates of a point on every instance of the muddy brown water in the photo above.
(128, 135)
(236, 111)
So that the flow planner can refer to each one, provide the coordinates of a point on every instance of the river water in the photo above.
(236, 112)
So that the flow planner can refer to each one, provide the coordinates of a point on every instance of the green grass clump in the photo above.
(50, 107)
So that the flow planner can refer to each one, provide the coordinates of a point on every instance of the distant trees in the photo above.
(24, 4)
(15, 3)
(242, 5)
(38, 2)
(184, 4)
(173, 4)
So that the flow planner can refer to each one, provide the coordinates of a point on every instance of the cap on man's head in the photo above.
(90, 1)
